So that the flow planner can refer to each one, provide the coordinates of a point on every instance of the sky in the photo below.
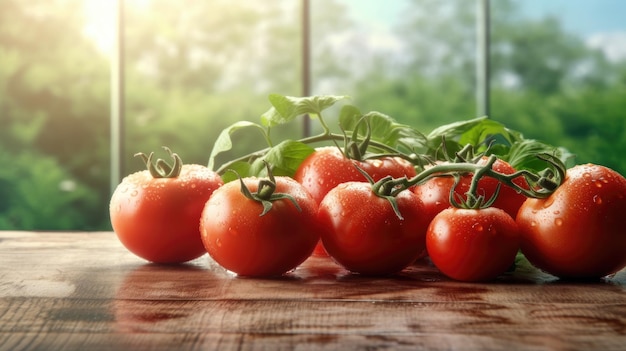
(601, 23)
(583, 17)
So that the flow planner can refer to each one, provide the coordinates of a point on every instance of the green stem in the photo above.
(540, 185)
(326, 136)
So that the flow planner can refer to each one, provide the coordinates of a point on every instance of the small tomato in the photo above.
(240, 239)
(364, 234)
(157, 218)
(327, 167)
(472, 244)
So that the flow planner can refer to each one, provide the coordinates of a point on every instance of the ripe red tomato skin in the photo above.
(240, 240)
(472, 245)
(157, 218)
(578, 232)
(327, 167)
(363, 233)
(435, 193)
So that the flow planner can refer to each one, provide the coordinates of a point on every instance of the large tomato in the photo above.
(157, 218)
(245, 242)
(327, 167)
(365, 235)
(578, 232)
(472, 244)
(435, 193)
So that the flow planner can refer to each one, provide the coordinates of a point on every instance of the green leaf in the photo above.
(284, 159)
(384, 129)
(488, 130)
(454, 129)
(224, 142)
(523, 155)
(241, 168)
(450, 133)
(286, 108)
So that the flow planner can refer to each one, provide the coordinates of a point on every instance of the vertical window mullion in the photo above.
(482, 57)
(117, 99)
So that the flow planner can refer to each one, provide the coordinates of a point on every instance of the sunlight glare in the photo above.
(100, 22)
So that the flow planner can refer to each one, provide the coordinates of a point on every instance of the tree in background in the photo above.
(546, 82)
(193, 70)
(54, 118)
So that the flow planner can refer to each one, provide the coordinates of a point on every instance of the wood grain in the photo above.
(84, 291)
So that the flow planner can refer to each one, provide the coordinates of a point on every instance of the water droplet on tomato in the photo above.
(477, 227)
(134, 193)
(533, 223)
(587, 175)
(376, 163)
(558, 221)
(548, 202)
(193, 186)
(556, 212)
(598, 183)
(597, 199)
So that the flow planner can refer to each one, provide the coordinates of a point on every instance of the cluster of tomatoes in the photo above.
(267, 227)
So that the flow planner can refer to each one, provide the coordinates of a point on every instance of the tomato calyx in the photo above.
(266, 192)
(386, 188)
(160, 168)
(354, 148)
(472, 199)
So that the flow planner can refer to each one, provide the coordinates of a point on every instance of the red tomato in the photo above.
(364, 234)
(327, 167)
(472, 245)
(157, 218)
(435, 193)
(578, 232)
(241, 240)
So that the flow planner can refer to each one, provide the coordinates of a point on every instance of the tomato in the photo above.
(578, 232)
(157, 218)
(472, 244)
(243, 241)
(327, 167)
(365, 235)
(435, 193)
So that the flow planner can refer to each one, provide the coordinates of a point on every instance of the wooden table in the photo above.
(84, 291)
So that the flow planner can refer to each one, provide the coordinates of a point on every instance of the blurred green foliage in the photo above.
(193, 70)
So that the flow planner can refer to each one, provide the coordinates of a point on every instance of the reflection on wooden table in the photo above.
(84, 291)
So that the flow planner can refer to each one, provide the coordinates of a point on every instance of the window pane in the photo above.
(193, 70)
(413, 60)
(559, 74)
(54, 118)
